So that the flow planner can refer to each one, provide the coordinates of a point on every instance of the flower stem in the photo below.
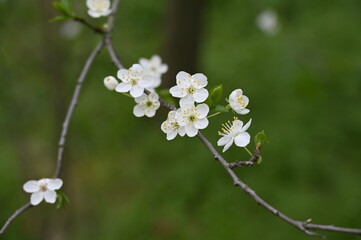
(249, 152)
(214, 114)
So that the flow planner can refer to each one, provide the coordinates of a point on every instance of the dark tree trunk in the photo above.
(183, 37)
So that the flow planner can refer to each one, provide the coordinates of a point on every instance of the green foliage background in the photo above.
(126, 181)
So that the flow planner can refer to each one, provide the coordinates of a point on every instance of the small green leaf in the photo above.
(59, 19)
(220, 108)
(164, 93)
(215, 95)
(63, 8)
(259, 160)
(260, 139)
(61, 200)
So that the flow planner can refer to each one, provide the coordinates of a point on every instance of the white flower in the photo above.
(192, 117)
(267, 22)
(239, 102)
(234, 132)
(110, 83)
(146, 105)
(154, 68)
(98, 8)
(189, 86)
(43, 189)
(133, 80)
(171, 126)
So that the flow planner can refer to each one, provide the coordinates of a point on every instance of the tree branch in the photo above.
(73, 103)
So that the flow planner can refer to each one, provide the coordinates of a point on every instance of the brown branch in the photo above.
(73, 103)
(300, 225)
(15, 215)
(255, 156)
(87, 24)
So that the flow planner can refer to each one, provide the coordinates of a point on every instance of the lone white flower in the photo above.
(133, 80)
(171, 126)
(146, 105)
(43, 189)
(239, 102)
(110, 82)
(155, 68)
(189, 86)
(267, 22)
(192, 117)
(98, 8)
(234, 132)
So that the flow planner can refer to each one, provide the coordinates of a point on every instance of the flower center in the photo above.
(133, 81)
(175, 125)
(149, 104)
(192, 118)
(99, 5)
(191, 89)
(43, 187)
(241, 100)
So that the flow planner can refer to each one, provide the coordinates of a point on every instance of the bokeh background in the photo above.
(124, 179)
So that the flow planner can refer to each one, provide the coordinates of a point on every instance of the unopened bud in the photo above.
(110, 83)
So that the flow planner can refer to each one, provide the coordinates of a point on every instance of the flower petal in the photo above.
(136, 68)
(136, 91)
(181, 131)
(149, 112)
(199, 80)
(183, 78)
(242, 111)
(123, 87)
(36, 198)
(177, 91)
(163, 68)
(55, 184)
(202, 110)
(31, 186)
(223, 140)
(153, 97)
(228, 145)
(201, 123)
(123, 75)
(139, 110)
(141, 99)
(50, 196)
(200, 95)
(242, 139)
(245, 127)
(171, 135)
(191, 131)
(147, 81)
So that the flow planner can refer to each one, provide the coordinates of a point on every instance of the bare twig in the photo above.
(87, 24)
(255, 156)
(12, 217)
(73, 103)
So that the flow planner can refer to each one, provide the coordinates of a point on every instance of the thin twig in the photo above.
(255, 156)
(87, 24)
(15, 215)
(73, 103)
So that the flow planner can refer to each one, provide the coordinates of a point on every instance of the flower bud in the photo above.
(110, 83)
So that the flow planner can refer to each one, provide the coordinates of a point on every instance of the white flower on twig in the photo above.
(133, 80)
(234, 132)
(192, 117)
(110, 83)
(43, 189)
(190, 86)
(98, 8)
(155, 68)
(171, 126)
(146, 105)
(239, 102)
(267, 22)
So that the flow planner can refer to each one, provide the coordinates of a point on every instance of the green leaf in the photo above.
(61, 200)
(63, 8)
(259, 160)
(260, 139)
(59, 19)
(215, 95)
(220, 108)
(164, 93)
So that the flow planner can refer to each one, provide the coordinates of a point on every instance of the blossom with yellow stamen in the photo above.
(234, 132)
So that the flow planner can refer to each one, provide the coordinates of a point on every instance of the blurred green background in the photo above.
(126, 181)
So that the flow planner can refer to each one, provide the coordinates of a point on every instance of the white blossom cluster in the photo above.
(189, 118)
(136, 80)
